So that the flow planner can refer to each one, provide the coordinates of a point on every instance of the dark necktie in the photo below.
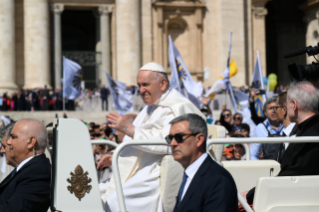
(13, 173)
(181, 190)
(281, 152)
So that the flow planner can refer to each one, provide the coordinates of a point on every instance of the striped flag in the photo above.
(258, 83)
(181, 79)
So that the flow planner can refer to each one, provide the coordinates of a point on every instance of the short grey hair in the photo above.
(160, 75)
(270, 100)
(307, 97)
(196, 124)
(6, 130)
(40, 132)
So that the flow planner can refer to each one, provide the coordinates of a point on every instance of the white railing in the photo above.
(104, 142)
(116, 172)
(271, 140)
(119, 148)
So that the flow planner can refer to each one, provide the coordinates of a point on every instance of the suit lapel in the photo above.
(195, 182)
(9, 178)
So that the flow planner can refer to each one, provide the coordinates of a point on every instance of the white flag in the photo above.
(181, 79)
(72, 77)
(221, 84)
(258, 83)
(122, 98)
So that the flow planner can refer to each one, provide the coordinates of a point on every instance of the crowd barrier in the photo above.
(117, 151)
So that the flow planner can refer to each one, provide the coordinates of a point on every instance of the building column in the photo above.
(104, 12)
(36, 43)
(259, 13)
(128, 40)
(7, 47)
(57, 9)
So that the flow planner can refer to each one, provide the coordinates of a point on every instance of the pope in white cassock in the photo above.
(142, 186)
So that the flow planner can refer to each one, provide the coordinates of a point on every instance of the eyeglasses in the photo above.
(275, 108)
(227, 114)
(178, 137)
(237, 118)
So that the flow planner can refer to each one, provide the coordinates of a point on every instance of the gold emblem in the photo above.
(79, 182)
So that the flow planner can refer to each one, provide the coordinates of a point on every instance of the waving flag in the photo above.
(221, 84)
(181, 79)
(258, 83)
(122, 98)
(241, 105)
(72, 77)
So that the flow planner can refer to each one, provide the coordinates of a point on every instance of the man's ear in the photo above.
(163, 84)
(295, 105)
(200, 138)
(31, 142)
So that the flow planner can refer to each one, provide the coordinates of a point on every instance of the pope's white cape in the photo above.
(70, 69)
(122, 98)
(151, 123)
(181, 79)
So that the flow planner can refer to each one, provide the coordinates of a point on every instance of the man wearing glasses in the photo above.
(282, 117)
(268, 128)
(206, 186)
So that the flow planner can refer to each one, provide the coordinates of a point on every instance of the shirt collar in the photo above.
(150, 108)
(288, 129)
(25, 161)
(192, 169)
(269, 126)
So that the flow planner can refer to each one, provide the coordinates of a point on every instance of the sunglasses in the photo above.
(227, 114)
(178, 137)
(275, 108)
(237, 118)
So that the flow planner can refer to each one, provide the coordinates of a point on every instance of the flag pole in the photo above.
(63, 100)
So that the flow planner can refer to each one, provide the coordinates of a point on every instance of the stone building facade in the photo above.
(118, 36)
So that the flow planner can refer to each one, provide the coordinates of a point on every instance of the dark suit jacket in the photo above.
(302, 158)
(29, 189)
(211, 189)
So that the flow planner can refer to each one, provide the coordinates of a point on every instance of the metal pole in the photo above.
(115, 165)
(104, 142)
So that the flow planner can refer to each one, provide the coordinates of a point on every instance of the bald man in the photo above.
(27, 187)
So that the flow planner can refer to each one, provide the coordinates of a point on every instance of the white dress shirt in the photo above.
(191, 171)
(26, 161)
(287, 131)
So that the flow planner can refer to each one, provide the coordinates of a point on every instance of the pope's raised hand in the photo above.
(121, 124)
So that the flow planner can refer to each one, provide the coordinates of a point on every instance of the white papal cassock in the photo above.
(142, 189)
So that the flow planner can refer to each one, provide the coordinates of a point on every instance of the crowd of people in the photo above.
(205, 185)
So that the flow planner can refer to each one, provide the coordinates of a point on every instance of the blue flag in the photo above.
(122, 98)
(72, 77)
(258, 83)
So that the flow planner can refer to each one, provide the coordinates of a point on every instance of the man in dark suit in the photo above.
(206, 186)
(104, 97)
(26, 188)
(300, 158)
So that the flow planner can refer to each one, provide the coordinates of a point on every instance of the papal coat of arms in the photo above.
(79, 182)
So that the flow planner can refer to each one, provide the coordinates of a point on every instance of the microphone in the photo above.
(296, 52)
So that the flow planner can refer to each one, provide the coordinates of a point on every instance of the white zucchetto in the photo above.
(153, 67)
